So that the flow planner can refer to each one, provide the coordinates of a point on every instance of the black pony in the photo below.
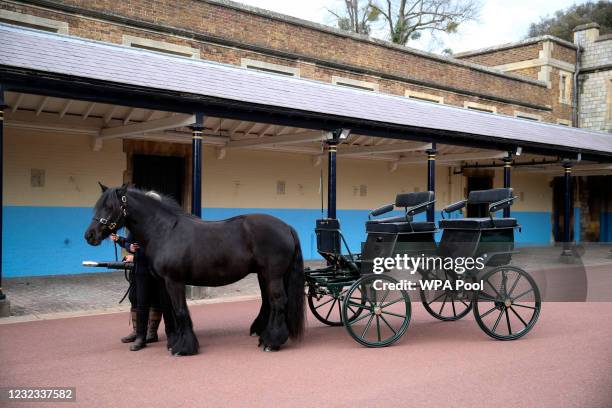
(183, 249)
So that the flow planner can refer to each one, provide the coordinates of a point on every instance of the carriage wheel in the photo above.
(327, 308)
(446, 304)
(508, 305)
(386, 312)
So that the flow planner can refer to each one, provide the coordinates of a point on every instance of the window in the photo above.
(527, 116)
(269, 67)
(354, 83)
(564, 122)
(160, 46)
(39, 23)
(565, 88)
(480, 107)
(422, 96)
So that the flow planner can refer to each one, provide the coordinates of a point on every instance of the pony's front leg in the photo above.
(185, 343)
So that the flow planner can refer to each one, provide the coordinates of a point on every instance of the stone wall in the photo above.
(595, 80)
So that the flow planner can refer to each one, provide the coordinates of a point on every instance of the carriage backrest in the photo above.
(412, 199)
(479, 200)
(489, 196)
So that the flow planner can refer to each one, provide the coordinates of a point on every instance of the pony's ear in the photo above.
(102, 187)
(123, 189)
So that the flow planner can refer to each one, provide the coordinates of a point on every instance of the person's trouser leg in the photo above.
(132, 296)
(155, 313)
(143, 304)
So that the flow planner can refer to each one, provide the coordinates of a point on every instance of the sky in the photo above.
(501, 21)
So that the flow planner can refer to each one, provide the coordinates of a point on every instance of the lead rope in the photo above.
(125, 274)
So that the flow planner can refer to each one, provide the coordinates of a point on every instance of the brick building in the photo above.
(56, 151)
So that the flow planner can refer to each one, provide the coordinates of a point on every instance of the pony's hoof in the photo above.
(269, 349)
(254, 334)
(259, 343)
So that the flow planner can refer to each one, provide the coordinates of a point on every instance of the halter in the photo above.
(112, 225)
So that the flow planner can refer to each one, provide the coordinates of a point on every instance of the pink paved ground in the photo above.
(566, 361)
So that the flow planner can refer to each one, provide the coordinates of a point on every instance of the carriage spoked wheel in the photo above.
(385, 314)
(327, 307)
(509, 304)
(446, 304)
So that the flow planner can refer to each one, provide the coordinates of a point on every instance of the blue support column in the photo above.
(507, 183)
(431, 179)
(567, 208)
(331, 178)
(2, 106)
(196, 163)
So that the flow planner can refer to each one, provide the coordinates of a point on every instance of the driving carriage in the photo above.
(376, 308)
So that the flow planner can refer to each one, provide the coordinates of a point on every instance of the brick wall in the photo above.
(505, 55)
(319, 53)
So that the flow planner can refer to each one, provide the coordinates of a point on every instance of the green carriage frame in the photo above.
(344, 293)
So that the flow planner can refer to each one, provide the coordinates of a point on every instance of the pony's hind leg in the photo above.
(168, 313)
(261, 321)
(276, 332)
(186, 342)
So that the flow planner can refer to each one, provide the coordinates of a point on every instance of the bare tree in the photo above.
(407, 19)
(356, 16)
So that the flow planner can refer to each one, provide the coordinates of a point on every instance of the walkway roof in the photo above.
(53, 64)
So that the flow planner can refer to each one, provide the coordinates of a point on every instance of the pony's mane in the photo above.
(109, 199)
(167, 203)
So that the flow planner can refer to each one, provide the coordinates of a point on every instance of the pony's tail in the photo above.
(294, 285)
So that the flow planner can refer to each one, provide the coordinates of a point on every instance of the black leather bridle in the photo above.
(112, 225)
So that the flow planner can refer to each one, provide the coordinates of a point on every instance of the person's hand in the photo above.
(114, 237)
(134, 247)
(128, 258)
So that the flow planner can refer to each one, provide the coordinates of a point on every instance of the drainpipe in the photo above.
(575, 102)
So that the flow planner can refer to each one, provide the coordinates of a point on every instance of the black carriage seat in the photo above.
(497, 199)
(479, 223)
(413, 203)
(401, 227)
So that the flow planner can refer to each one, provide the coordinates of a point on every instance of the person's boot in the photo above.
(154, 320)
(132, 336)
(142, 321)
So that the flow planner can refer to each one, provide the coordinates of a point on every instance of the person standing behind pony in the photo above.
(143, 295)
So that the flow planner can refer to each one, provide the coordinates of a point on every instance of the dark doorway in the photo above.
(595, 197)
(559, 210)
(164, 174)
(481, 182)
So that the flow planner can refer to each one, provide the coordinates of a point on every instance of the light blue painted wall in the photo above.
(49, 240)
(576, 224)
